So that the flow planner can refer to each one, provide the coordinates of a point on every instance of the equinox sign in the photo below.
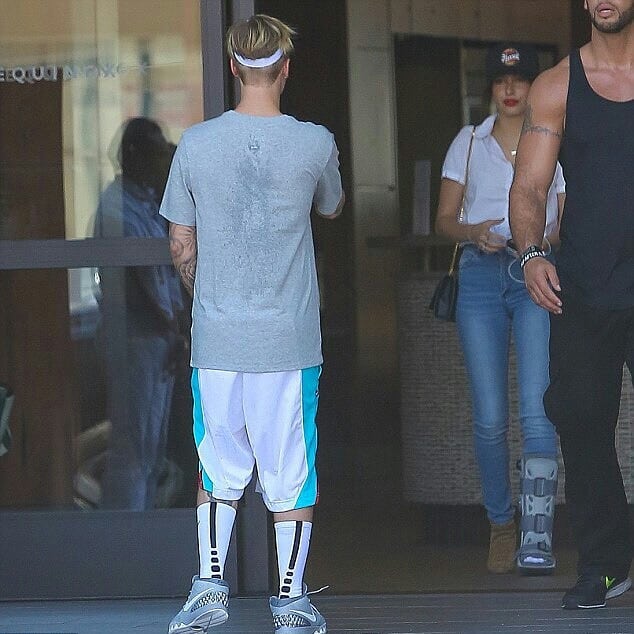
(50, 72)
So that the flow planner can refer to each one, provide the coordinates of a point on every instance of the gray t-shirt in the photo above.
(247, 184)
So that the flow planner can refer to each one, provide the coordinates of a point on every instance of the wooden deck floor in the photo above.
(475, 613)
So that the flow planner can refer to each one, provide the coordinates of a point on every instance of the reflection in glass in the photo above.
(147, 304)
(97, 359)
(82, 370)
(131, 456)
(71, 74)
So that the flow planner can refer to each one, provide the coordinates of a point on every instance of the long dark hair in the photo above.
(145, 153)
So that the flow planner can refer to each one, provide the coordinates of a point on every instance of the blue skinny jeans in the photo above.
(492, 307)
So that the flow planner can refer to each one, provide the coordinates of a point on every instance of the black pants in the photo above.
(588, 348)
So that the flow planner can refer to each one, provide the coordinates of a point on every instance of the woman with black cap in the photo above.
(493, 304)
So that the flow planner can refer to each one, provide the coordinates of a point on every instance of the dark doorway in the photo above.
(318, 91)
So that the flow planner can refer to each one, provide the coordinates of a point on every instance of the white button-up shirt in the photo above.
(490, 179)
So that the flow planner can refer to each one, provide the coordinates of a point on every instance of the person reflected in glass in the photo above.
(141, 308)
(494, 306)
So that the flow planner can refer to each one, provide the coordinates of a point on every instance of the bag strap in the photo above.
(466, 176)
(454, 258)
(456, 249)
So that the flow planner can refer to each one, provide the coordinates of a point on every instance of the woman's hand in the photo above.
(482, 236)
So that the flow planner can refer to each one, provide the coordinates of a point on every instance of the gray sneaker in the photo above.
(206, 606)
(296, 616)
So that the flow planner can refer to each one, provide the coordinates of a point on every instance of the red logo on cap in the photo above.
(510, 57)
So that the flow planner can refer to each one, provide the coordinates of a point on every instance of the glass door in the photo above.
(94, 329)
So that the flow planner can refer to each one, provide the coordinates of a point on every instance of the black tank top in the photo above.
(596, 259)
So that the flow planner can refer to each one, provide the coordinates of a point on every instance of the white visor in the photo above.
(261, 62)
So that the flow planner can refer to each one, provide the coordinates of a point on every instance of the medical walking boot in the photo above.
(537, 506)
(502, 548)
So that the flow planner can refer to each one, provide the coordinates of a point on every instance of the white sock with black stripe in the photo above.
(215, 523)
(293, 542)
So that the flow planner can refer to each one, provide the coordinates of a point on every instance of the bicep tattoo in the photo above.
(530, 127)
(184, 253)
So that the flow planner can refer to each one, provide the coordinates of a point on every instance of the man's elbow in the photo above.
(337, 212)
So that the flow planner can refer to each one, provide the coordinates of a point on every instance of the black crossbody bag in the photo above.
(445, 297)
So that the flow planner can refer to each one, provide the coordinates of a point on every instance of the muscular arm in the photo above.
(537, 159)
(534, 170)
(184, 252)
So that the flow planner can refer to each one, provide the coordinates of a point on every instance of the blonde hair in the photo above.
(259, 36)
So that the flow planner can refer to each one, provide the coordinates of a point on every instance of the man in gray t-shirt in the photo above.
(247, 184)
(239, 198)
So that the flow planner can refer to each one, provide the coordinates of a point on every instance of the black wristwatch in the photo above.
(532, 252)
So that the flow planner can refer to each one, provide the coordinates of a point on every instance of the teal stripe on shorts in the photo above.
(199, 428)
(310, 400)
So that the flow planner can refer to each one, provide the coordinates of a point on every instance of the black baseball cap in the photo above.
(512, 59)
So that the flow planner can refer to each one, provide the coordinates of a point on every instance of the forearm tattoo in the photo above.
(184, 253)
(530, 127)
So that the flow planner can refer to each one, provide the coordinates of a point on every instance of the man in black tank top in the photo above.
(584, 108)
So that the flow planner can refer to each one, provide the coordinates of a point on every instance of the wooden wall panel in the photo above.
(401, 16)
(496, 22)
(540, 21)
(437, 18)
(35, 349)
(452, 18)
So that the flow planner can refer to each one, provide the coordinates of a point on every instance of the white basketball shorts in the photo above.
(261, 420)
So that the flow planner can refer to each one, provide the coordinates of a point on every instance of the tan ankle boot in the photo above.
(502, 548)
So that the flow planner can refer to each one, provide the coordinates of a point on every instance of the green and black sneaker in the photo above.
(592, 591)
